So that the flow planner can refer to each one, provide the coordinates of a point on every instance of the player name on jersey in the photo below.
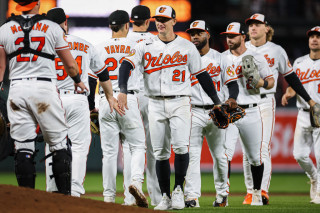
(78, 46)
(38, 26)
(118, 49)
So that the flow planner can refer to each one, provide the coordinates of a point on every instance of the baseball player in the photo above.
(168, 62)
(76, 105)
(307, 68)
(30, 42)
(112, 125)
(140, 19)
(250, 127)
(202, 126)
(260, 33)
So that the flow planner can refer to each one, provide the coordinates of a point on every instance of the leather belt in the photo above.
(263, 96)
(305, 110)
(246, 106)
(168, 97)
(206, 107)
(29, 79)
(128, 92)
(70, 92)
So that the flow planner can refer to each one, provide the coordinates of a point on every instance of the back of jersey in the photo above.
(45, 36)
(87, 59)
(112, 52)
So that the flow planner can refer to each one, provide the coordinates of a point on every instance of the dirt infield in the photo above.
(19, 199)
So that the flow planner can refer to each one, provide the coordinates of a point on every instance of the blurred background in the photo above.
(289, 18)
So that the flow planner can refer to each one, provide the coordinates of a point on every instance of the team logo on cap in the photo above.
(162, 9)
(254, 16)
(317, 29)
(230, 27)
(195, 24)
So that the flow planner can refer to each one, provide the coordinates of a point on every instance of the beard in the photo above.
(202, 44)
(234, 46)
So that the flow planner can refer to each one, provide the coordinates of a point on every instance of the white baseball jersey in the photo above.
(87, 59)
(113, 52)
(167, 66)
(308, 72)
(277, 59)
(247, 94)
(221, 72)
(138, 37)
(46, 36)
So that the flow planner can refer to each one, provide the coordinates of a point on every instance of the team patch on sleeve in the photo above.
(289, 64)
(132, 52)
(230, 71)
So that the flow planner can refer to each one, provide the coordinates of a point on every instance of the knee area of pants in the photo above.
(160, 157)
(301, 157)
(24, 158)
(180, 150)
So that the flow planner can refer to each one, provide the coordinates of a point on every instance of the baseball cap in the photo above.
(165, 11)
(140, 12)
(199, 25)
(57, 15)
(313, 30)
(234, 28)
(257, 17)
(118, 17)
(25, 5)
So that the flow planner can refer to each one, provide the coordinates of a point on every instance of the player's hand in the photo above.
(82, 87)
(94, 110)
(285, 98)
(113, 103)
(232, 103)
(122, 101)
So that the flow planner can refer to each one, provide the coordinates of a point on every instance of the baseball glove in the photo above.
(250, 70)
(315, 115)
(94, 124)
(220, 116)
(236, 114)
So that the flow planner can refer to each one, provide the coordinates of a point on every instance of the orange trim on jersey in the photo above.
(288, 72)
(269, 76)
(318, 79)
(93, 76)
(59, 48)
(199, 71)
(240, 76)
(163, 67)
(214, 75)
(130, 62)
(232, 79)
(98, 72)
(194, 83)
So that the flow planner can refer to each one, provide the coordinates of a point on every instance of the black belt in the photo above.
(68, 92)
(263, 96)
(305, 110)
(206, 107)
(168, 97)
(246, 106)
(128, 92)
(38, 79)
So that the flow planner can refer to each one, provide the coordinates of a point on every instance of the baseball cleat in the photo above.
(136, 190)
(192, 202)
(165, 203)
(247, 199)
(256, 198)
(313, 189)
(108, 199)
(316, 199)
(221, 202)
(265, 197)
(178, 198)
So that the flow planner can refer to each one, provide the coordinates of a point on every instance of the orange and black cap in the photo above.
(25, 5)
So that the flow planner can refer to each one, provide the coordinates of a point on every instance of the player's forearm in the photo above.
(296, 84)
(69, 63)
(290, 92)
(124, 73)
(267, 83)
(207, 85)
(3, 63)
(233, 89)
(107, 88)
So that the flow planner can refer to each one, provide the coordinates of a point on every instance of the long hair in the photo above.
(270, 33)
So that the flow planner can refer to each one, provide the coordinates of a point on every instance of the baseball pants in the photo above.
(202, 126)
(267, 108)
(131, 129)
(78, 120)
(306, 136)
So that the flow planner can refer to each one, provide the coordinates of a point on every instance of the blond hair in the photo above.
(270, 33)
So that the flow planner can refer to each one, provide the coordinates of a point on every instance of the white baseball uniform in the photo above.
(167, 71)
(77, 111)
(305, 135)
(279, 63)
(152, 180)
(221, 73)
(33, 96)
(250, 126)
(112, 125)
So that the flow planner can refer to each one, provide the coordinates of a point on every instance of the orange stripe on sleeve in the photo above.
(269, 76)
(130, 62)
(287, 73)
(232, 79)
(98, 72)
(199, 72)
(60, 48)
(93, 76)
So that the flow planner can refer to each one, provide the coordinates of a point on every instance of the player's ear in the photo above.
(174, 21)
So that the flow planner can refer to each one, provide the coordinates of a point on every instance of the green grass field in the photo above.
(288, 192)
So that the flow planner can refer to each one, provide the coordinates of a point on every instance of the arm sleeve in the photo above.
(207, 85)
(60, 38)
(1, 37)
(296, 84)
(135, 57)
(91, 96)
(233, 88)
(124, 73)
(194, 61)
(97, 65)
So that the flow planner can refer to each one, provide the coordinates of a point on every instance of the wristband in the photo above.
(76, 78)
(265, 84)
